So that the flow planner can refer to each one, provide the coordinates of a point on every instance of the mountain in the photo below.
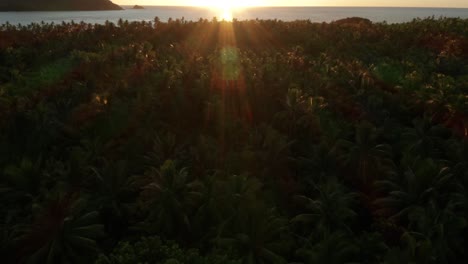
(57, 5)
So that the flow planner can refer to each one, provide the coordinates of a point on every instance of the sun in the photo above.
(225, 8)
(227, 4)
(226, 13)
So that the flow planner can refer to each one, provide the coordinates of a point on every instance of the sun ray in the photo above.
(225, 8)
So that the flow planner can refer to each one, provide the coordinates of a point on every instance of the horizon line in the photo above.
(253, 6)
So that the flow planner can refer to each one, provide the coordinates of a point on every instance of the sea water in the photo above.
(314, 14)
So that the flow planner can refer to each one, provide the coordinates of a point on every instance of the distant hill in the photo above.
(138, 7)
(57, 5)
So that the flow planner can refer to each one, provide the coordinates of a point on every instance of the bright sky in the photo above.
(402, 3)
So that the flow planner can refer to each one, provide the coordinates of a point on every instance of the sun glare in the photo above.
(226, 14)
(227, 3)
(225, 8)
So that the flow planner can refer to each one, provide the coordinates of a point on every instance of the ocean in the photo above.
(314, 14)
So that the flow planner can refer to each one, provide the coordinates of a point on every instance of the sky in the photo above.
(401, 3)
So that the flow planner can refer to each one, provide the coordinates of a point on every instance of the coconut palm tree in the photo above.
(22, 180)
(110, 187)
(319, 165)
(336, 247)
(238, 191)
(365, 157)
(254, 230)
(60, 233)
(268, 156)
(424, 139)
(259, 235)
(425, 181)
(20, 186)
(213, 207)
(300, 113)
(168, 197)
(435, 235)
(331, 208)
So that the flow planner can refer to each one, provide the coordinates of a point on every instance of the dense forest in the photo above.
(256, 141)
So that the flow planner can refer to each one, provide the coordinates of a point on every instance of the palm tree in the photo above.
(247, 225)
(321, 163)
(442, 230)
(22, 181)
(424, 182)
(435, 235)
(239, 190)
(268, 156)
(213, 207)
(336, 247)
(300, 113)
(20, 186)
(259, 235)
(458, 156)
(168, 197)
(424, 139)
(166, 146)
(111, 188)
(330, 209)
(60, 234)
(364, 156)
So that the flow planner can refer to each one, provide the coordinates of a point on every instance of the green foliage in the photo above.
(330, 210)
(60, 234)
(153, 250)
(257, 141)
(167, 197)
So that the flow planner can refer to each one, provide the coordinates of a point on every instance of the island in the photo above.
(57, 5)
(137, 7)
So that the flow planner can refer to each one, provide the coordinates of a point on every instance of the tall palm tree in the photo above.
(321, 163)
(258, 236)
(268, 156)
(420, 184)
(334, 248)
(60, 233)
(255, 231)
(300, 113)
(435, 235)
(213, 207)
(424, 139)
(330, 209)
(365, 156)
(168, 197)
(22, 180)
(235, 192)
(110, 187)
(20, 185)
(166, 146)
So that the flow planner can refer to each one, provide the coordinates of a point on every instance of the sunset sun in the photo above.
(227, 3)
(225, 8)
